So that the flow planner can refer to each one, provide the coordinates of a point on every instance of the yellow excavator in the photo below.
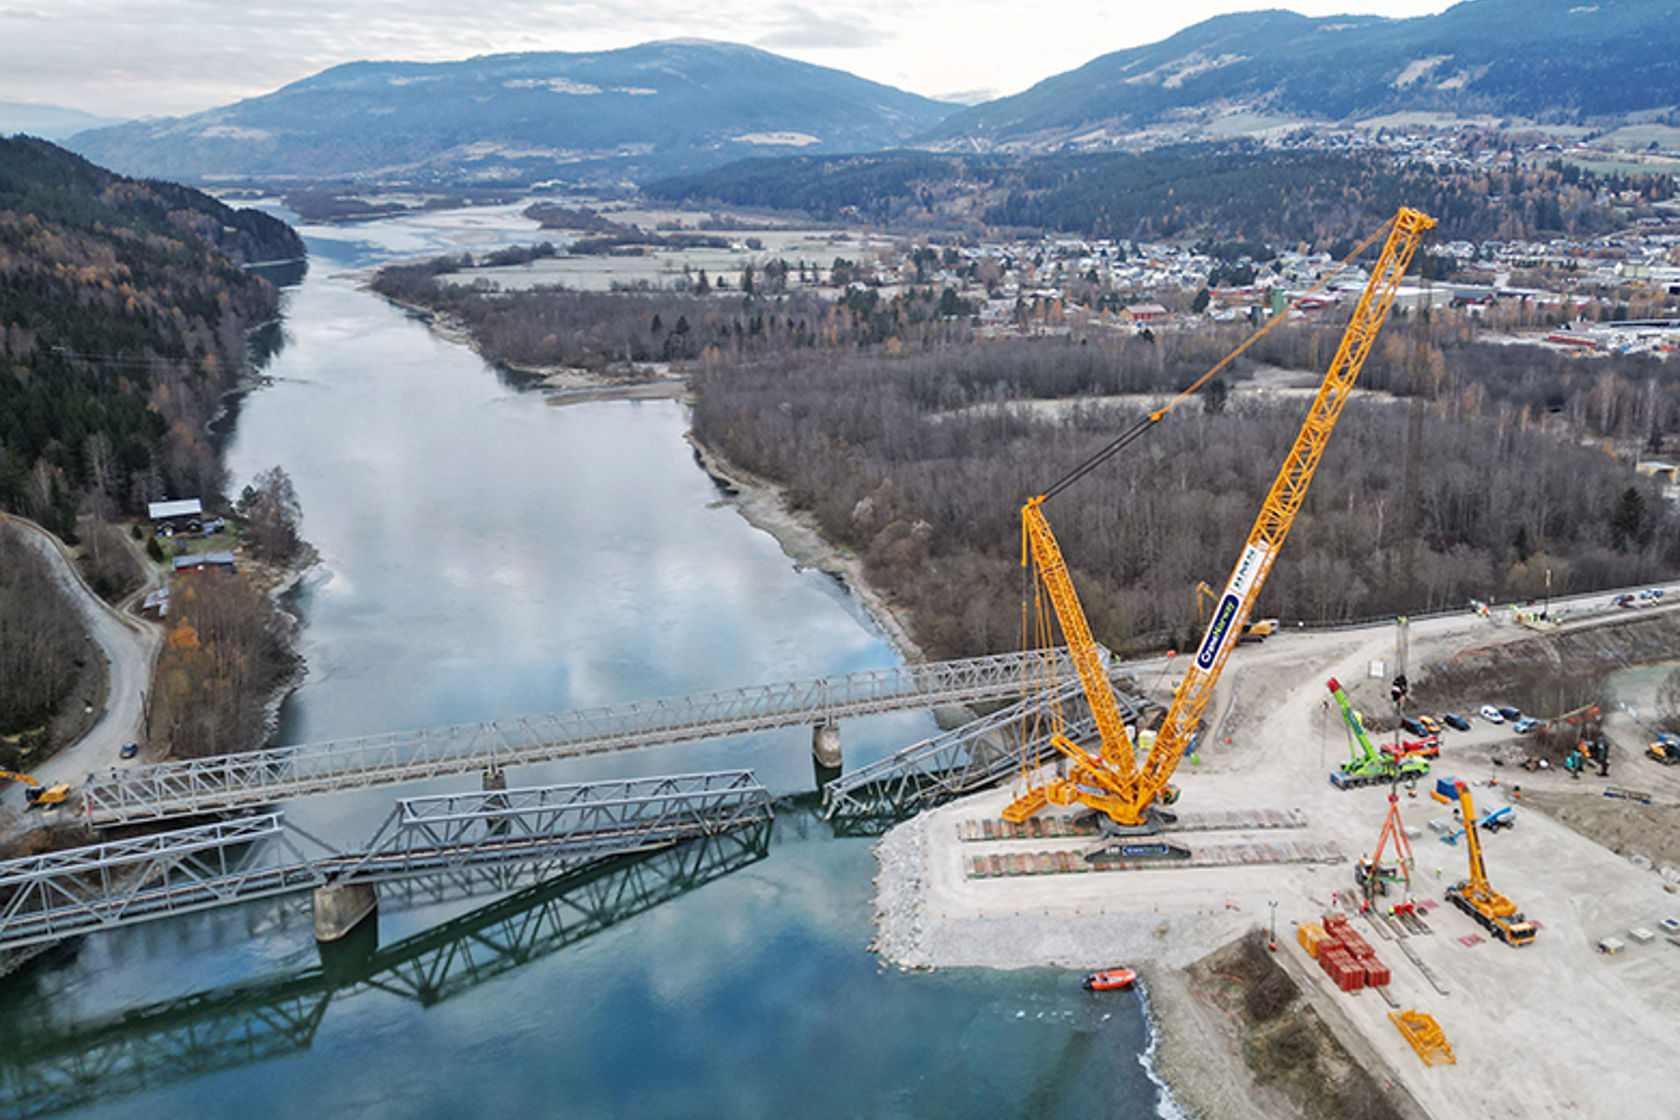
(1127, 795)
(1257, 631)
(39, 796)
(1476, 897)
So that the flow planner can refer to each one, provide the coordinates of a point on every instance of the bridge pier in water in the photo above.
(340, 909)
(826, 758)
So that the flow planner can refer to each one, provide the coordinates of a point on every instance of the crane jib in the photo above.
(1226, 620)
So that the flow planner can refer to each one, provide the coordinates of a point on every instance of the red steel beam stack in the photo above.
(1347, 958)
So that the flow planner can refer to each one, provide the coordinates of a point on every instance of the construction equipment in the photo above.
(1373, 876)
(1666, 749)
(38, 796)
(1425, 1036)
(1496, 913)
(1257, 631)
(1111, 780)
(1367, 766)
(1492, 821)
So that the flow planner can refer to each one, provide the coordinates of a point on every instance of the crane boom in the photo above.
(1357, 725)
(1117, 786)
(1477, 885)
(1278, 512)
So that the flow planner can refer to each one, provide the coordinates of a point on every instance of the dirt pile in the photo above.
(1287, 1047)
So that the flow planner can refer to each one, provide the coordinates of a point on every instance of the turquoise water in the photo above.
(485, 555)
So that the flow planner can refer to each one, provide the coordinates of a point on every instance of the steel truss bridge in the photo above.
(208, 785)
(965, 759)
(123, 882)
(48, 1066)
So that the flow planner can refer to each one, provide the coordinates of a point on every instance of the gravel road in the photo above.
(130, 645)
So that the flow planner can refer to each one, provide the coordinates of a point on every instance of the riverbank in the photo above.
(278, 582)
(563, 385)
(765, 506)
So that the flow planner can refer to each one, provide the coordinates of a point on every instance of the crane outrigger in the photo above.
(1127, 795)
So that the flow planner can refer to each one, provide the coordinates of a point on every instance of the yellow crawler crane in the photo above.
(1111, 780)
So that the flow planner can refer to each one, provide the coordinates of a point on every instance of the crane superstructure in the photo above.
(1111, 780)
(1476, 896)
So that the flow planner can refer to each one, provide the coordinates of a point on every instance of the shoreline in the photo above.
(561, 385)
(288, 578)
(764, 505)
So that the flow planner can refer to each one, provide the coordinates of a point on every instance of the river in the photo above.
(486, 555)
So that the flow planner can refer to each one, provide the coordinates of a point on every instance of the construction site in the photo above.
(1329, 919)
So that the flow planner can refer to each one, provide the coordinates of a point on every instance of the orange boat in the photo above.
(1110, 979)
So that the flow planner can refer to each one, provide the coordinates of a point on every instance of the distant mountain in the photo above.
(49, 122)
(519, 118)
(1547, 60)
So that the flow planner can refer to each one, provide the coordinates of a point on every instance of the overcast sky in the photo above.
(166, 57)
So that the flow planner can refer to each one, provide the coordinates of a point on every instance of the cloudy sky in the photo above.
(165, 57)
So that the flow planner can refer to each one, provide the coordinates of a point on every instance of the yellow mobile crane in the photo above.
(1111, 781)
(1476, 897)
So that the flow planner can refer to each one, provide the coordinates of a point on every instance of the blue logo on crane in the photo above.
(1217, 632)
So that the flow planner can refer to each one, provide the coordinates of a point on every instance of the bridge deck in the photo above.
(123, 882)
(197, 786)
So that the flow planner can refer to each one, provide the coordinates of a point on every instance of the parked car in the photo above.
(1524, 726)
(1651, 593)
(1412, 727)
(1491, 714)
(1622, 601)
(1455, 721)
(1511, 715)
(1431, 725)
(130, 750)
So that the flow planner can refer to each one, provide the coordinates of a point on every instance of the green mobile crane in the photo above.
(1372, 767)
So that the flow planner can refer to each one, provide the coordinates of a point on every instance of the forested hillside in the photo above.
(1234, 190)
(903, 460)
(123, 318)
(46, 657)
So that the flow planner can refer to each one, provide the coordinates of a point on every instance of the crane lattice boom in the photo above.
(1113, 782)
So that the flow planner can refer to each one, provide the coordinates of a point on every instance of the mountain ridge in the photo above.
(602, 116)
(1559, 61)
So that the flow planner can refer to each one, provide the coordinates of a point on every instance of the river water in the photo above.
(485, 555)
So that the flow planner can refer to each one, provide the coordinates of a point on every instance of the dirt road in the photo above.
(130, 645)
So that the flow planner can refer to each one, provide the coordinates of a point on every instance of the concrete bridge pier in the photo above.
(826, 758)
(495, 781)
(341, 908)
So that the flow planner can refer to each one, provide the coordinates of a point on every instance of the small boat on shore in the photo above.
(1110, 979)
